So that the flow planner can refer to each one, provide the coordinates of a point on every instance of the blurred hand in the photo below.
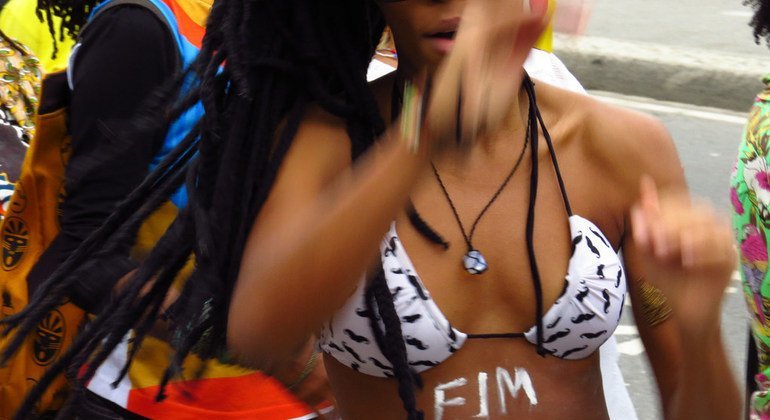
(484, 69)
(688, 254)
(572, 16)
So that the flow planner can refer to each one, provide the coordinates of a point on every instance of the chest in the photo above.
(502, 299)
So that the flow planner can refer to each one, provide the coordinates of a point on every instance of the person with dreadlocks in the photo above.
(126, 50)
(473, 248)
(751, 223)
(298, 168)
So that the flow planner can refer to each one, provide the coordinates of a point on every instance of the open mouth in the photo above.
(443, 39)
(450, 35)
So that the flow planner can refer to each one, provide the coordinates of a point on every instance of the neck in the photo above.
(508, 136)
(493, 149)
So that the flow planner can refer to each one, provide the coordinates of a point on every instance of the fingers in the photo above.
(674, 230)
(645, 216)
(510, 42)
(658, 228)
(709, 250)
(480, 79)
(536, 7)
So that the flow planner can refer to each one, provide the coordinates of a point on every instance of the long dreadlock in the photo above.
(261, 64)
(761, 19)
(73, 14)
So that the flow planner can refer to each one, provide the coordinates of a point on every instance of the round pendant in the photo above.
(474, 262)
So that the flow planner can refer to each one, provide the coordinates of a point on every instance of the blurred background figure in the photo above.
(750, 196)
(89, 155)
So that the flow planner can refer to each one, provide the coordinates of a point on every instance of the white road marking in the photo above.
(651, 105)
(631, 347)
(731, 290)
(736, 276)
(737, 13)
(626, 330)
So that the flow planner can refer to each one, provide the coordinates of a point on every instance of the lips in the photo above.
(442, 38)
(446, 29)
(443, 35)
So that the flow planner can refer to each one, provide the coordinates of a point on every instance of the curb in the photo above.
(685, 75)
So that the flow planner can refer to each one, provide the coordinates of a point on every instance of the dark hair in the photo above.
(73, 14)
(761, 19)
(261, 64)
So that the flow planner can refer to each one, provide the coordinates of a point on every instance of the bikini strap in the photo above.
(552, 152)
(533, 183)
(549, 142)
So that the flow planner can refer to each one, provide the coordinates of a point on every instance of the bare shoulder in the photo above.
(625, 143)
(321, 146)
(633, 144)
(622, 132)
(319, 124)
(319, 153)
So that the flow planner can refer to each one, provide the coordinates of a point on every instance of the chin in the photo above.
(433, 61)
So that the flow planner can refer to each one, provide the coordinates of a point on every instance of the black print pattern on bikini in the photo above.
(439, 340)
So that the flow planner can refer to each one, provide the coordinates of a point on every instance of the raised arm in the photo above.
(315, 237)
(681, 248)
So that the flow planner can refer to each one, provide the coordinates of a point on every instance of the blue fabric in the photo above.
(182, 126)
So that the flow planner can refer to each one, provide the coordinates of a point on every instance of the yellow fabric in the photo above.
(197, 10)
(30, 226)
(150, 233)
(146, 370)
(18, 21)
(545, 42)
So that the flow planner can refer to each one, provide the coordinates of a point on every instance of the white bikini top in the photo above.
(581, 319)
(574, 327)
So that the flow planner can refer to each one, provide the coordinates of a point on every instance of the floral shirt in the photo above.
(750, 197)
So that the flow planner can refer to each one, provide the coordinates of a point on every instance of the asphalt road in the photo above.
(707, 141)
(717, 25)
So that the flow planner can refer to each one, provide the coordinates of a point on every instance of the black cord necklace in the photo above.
(474, 261)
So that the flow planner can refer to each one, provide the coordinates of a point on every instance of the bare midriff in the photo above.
(485, 379)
